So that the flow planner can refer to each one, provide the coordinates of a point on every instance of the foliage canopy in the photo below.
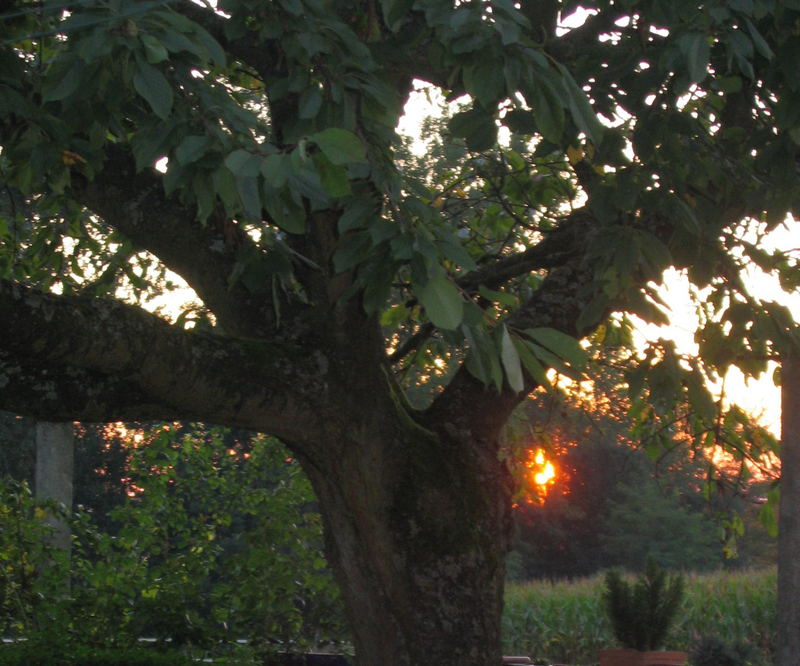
(333, 273)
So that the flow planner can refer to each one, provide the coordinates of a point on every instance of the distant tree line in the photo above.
(613, 504)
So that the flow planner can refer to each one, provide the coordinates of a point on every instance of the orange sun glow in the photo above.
(540, 475)
(542, 470)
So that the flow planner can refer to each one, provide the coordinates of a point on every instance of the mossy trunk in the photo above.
(417, 527)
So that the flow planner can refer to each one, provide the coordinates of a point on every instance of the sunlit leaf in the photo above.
(442, 301)
(511, 361)
(340, 146)
(531, 364)
(561, 344)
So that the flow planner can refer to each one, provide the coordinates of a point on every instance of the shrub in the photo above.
(217, 541)
(642, 613)
(711, 651)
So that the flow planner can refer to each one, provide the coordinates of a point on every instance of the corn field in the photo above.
(564, 622)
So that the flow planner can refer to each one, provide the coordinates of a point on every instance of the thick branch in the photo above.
(203, 255)
(558, 303)
(554, 250)
(67, 394)
(91, 359)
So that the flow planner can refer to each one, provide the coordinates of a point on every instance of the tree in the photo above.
(788, 531)
(330, 278)
(646, 524)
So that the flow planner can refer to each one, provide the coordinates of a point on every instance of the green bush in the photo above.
(711, 651)
(217, 541)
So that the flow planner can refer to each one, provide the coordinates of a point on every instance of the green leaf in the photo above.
(62, 87)
(333, 178)
(511, 361)
(442, 301)
(509, 300)
(685, 216)
(284, 212)
(477, 362)
(549, 113)
(509, 31)
(247, 186)
(243, 163)
(357, 213)
(192, 148)
(483, 84)
(696, 50)
(210, 45)
(394, 11)
(582, 112)
(204, 195)
(455, 252)
(310, 102)
(595, 310)
(154, 50)
(483, 361)
(340, 146)
(306, 182)
(476, 127)
(532, 365)
(561, 344)
(225, 187)
(731, 84)
(153, 86)
(760, 43)
(700, 400)
(353, 249)
(520, 121)
(276, 169)
(151, 143)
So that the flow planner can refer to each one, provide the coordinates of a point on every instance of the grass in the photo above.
(564, 622)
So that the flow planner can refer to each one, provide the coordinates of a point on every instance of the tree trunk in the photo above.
(417, 527)
(53, 477)
(789, 520)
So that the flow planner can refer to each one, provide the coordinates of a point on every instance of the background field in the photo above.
(564, 622)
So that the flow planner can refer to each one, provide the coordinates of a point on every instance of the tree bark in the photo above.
(417, 526)
(789, 520)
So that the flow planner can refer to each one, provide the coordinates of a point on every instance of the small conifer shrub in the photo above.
(642, 611)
